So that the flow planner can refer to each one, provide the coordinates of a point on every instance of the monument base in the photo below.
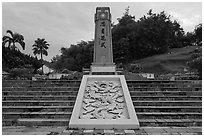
(103, 68)
(103, 102)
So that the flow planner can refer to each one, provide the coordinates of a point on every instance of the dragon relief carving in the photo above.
(103, 100)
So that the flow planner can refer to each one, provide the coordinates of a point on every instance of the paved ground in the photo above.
(65, 131)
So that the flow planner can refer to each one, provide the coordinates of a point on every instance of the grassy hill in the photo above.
(171, 62)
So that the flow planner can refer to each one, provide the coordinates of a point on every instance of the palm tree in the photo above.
(15, 38)
(40, 47)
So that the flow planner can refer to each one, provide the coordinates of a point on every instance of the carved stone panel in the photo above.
(103, 100)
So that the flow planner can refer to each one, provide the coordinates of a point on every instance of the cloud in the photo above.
(185, 20)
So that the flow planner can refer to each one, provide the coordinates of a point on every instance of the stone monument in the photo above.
(103, 54)
(103, 101)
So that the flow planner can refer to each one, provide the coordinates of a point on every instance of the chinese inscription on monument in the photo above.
(103, 53)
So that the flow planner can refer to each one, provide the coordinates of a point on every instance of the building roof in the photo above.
(5, 73)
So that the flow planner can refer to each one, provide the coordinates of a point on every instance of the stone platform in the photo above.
(18, 130)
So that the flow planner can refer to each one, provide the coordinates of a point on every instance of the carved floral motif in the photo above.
(103, 100)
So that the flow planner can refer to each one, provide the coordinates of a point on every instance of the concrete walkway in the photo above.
(19, 130)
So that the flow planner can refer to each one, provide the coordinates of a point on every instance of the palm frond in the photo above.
(6, 37)
(36, 52)
(22, 44)
(35, 48)
(44, 52)
(5, 41)
(10, 32)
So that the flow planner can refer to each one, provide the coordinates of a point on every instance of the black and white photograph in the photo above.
(101, 68)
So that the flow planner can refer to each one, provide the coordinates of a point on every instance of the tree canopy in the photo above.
(152, 34)
(75, 57)
(13, 60)
(13, 39)
(40, 47)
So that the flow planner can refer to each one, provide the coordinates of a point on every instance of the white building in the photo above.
(56, 75)
(147, 75)
(46, 69)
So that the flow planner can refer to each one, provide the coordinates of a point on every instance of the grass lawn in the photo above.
(173, 61)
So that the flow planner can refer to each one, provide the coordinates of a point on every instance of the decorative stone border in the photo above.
(129, 123)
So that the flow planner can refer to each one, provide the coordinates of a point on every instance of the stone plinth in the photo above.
(101, 68)
(103, 102)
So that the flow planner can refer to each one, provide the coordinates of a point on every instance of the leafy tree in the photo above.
(198, 34)
(13, 39)
(195, 62)
(151, 34)
(126, 18)
(26, 73)
(40, 47)
(15, 59)
(75, 57)
(189, 39)
(193, 38)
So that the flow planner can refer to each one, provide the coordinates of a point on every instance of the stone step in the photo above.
(35, 122)
(165, 88)
(163, 85)
(16, 107)
(40, 88)
(74, 91)
(170, 122)
(72, 102)
(37, 113)
(140, 115)
(187, 82)
(169, 115)
(41, 85)
(69, 108)
(68, 101)
(56, 83)
(48, 115)
(69, 113)
(37, 108)
(129, 82)
(38, 103)
(159, 97)
(64, 122)
(73, 98)
(51, 91)
(170, 84)
(167, 103)
(8, 93)
(168, 109)
(29, 83)
(138, 85)
(165, 93)
(60, 88)
(30, 97)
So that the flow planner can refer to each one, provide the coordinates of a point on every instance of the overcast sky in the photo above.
(62, 24)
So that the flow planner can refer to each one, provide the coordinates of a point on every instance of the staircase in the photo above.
(50, 102)
(38, 103)
(167, 103)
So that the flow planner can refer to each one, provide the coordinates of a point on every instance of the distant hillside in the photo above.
(173, 61)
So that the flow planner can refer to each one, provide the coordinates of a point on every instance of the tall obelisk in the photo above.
(103, 53)
(103, 101)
